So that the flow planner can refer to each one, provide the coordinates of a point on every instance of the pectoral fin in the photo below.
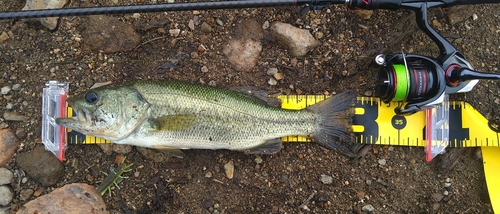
(269, 147)
(174, 122)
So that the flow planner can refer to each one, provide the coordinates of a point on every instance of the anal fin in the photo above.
(269, 147)
(173, 151)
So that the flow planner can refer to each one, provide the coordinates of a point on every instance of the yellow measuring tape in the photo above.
(376, 123)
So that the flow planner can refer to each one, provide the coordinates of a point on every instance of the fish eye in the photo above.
(91, 97)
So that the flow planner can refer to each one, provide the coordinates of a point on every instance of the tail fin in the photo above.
(336, 115)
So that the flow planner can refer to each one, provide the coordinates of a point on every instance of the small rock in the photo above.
(382, 162)
(459, 13)
(174, 32)
(5, 176)
(219, 22)
(50, 22)
(258, 160)
(364, 14)
(6, 194)
(108, 34)
(447, 184)
(191, 24)
(67, 199)
(297, 41)
(368, 93)
(272, 71)
(204, 69)
(5, 90)
(8, 145)
(4, 36)
(13, 116)
(16, 87)
(229, 169)
(272, 81)
(205, 27)
(368, 208)
(25, 194)
(326, 179)
(278, 76)
(41, 165)
(9, 106)
(435, 206)
(265, 26)
(437, 196)
(208, 175)
(21, 133)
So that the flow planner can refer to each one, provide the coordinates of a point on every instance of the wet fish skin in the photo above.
(172, 115)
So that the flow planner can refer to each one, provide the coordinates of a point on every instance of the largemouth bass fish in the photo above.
(173, 115)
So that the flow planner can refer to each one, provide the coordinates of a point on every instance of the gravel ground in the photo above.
(302, 177)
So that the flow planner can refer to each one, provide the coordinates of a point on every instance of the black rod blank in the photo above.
(160, 8)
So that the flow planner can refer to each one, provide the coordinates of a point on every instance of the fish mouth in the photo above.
(81, 115)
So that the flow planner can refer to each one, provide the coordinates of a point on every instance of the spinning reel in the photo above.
(422, 81)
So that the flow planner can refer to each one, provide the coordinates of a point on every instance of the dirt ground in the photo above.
(281, 183)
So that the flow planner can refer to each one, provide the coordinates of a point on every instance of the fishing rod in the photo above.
(420, 81)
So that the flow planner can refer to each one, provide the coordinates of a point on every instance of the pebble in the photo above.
(205, 27)
(368, 93)
(5, 176)
(25, 194)
(174, 32)
(437, 196)
(16, 87)
(459, 13)
(41, 165)
(364, 14)
(191, 24)
(272, 71)
(67, 199)
(219, 22)
(382, 162)
(208, 175)
(265, 26)
(229, 169)
(13, 116)
(5, 90)
(8, 145)
(326, 179)
(272, 81)
(297, 41)
(204, 69)
(4, 36)
(258, 160)
(278, 76)
(7, 195)
(447, 184)
(50, 22)
(9, 106)
(368, 208)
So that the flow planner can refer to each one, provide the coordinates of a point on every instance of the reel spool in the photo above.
(415, 79)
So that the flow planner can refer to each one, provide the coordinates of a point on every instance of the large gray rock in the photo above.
(108, 34)
(50, 22)
(71, 198)
(297, 41)
(41, 165)
(8, 145)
